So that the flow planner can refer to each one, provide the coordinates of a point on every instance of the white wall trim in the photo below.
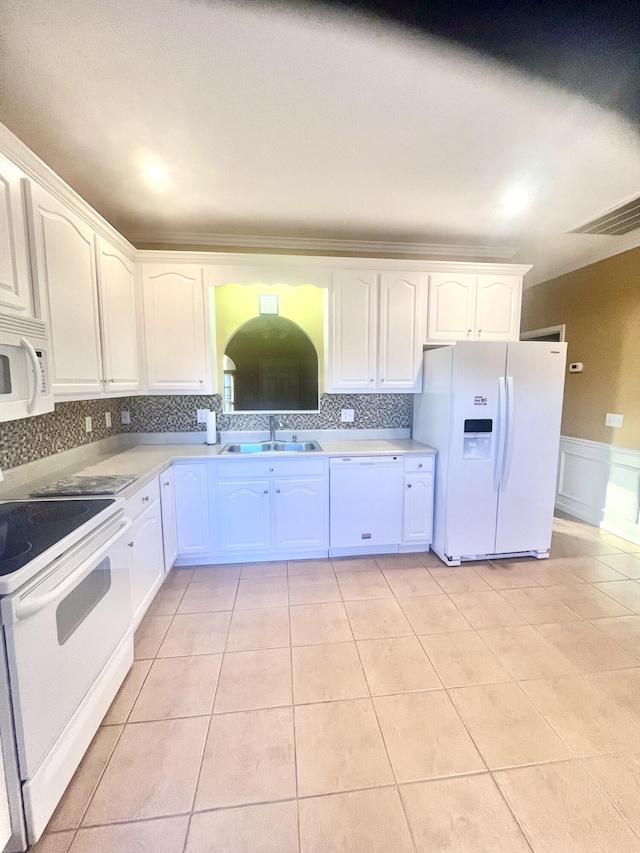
(600, 483)
(42, 174)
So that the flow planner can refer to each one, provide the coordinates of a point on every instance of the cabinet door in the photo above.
(169, 526)
(418, 508)
(15, 278)
(66, 273)
(118, 307)
(498, 307)
(191, 486)
(300, 514)
(147, 560)
(402, 332)
(451, 307)
(244, 515)
(175, 329)
(354, 324)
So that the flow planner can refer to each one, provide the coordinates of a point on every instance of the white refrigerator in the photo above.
(492, 410)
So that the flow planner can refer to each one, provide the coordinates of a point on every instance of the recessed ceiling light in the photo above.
(516, 199)
(156, 173)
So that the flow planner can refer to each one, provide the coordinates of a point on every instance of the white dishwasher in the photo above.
(365, 495)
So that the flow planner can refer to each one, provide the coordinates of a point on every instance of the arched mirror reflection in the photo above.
(270, 364)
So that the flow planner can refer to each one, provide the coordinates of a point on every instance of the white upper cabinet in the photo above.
(402, 331)
(15, 279)
(451, 306)
(467, 306)
(65, 266)
(354, 321)
(175, 329)
(377, 331)
(498, 301)
(118, 313)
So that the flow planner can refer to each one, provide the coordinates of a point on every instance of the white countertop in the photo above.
(145, 461)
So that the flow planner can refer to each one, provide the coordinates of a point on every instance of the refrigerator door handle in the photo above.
(502, 432)
(508, 456)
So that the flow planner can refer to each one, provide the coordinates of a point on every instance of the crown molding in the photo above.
(38, 171)
(319, 244)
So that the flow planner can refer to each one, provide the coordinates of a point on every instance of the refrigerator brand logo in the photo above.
(479, 401)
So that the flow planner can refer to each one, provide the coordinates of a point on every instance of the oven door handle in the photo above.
(30, 606)
(34, 399)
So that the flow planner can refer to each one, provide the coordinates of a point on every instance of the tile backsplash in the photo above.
(34, 438)
(63, 429)
(178, 414)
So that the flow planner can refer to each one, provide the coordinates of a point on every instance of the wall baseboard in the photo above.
(600, 484)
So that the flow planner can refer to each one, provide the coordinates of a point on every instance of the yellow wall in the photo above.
(600, 305)
(236, 304)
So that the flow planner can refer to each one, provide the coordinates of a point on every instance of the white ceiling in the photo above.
(279, 123)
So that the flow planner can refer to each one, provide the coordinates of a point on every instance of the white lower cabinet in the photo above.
(192, 497)
(418, 499)
(273, 508)
(299, 514)
(245, 516)
(147, 559)
(169, 525)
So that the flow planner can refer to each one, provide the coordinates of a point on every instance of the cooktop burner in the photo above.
(28, 528)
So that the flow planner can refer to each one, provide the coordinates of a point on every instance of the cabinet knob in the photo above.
(167, 483)
(130, 544)
(145, 498)
(277, 491)
(419, 466)
(266, 491)
(271, 469)
(382, 380)
(371, 380)
(201, 381)
(468, 332)
(408, 485)
(479, 332)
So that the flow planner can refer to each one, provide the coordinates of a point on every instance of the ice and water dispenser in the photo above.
(477, 438)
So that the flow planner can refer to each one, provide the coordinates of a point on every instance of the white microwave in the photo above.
(25, 356)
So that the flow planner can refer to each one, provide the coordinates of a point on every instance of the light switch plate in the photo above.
(202, 415)
(87, 424)
(614, 420)
(107, 419)
(125, 417)
(347, 416)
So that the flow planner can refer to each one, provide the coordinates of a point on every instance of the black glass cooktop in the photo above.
(28, 528)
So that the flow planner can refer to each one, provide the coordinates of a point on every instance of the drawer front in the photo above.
(256, 468)
(418, 464)
(143, 498)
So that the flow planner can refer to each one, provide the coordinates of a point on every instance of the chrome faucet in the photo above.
(274, 424)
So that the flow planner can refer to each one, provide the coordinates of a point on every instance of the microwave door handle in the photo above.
(37, 381)
(510, 434)
(33, 605)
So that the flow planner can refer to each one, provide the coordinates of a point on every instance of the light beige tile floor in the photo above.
(372, 705)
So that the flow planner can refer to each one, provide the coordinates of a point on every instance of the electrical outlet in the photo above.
(202, 415)
(107, 419)
(125, 417)
(347, 416)
(614, 420)
(87, 424)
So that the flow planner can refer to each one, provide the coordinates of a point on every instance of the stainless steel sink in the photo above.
(273, 447)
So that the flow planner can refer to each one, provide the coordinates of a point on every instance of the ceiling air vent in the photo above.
(620, 220)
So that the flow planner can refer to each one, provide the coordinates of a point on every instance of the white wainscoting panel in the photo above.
(600, 484)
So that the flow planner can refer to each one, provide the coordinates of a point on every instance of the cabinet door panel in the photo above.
(15, 279)
(191, 486)
(147, 559)
(402, 332)
(418, 508)
(66, 270)
(175, 328)
(353, 331)
(117, 300)
(451, 307)
(498, 308)
(169, 525)
(300, 510)
(245, 516)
